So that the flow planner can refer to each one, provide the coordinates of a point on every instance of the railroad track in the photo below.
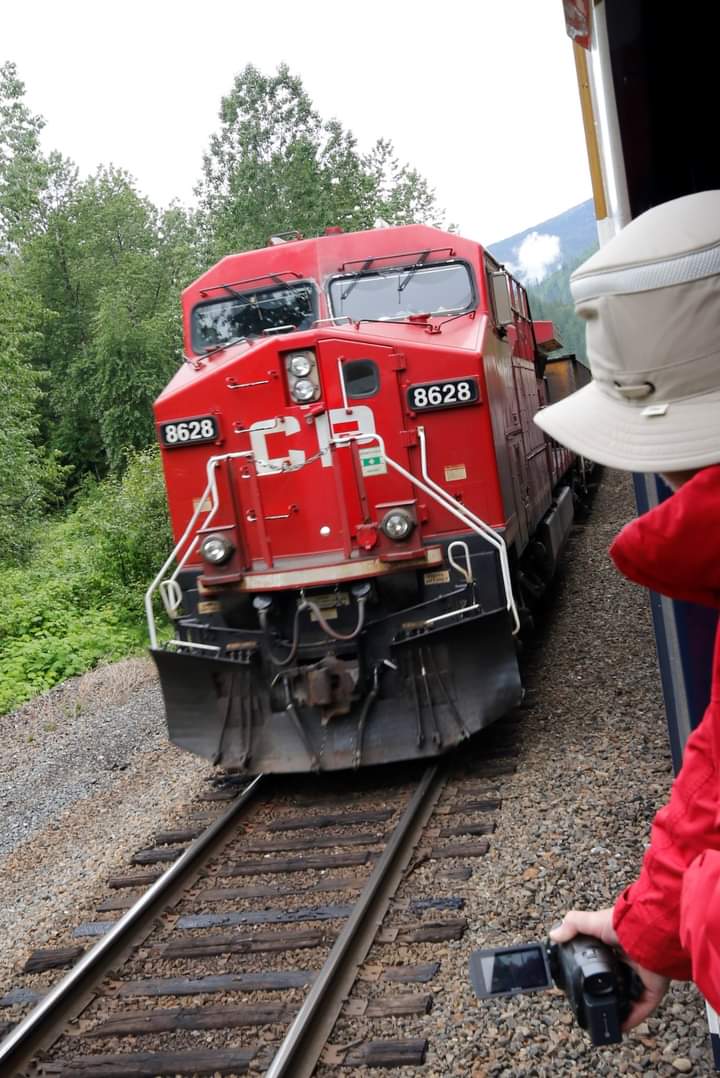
(243, 897)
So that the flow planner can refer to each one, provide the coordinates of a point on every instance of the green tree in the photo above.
(109, 267)
(23, 170)
(30, 477)
(276, 165)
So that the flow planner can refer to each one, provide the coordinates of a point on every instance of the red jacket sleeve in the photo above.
(700, 923)
(647, 915)
(673, 549)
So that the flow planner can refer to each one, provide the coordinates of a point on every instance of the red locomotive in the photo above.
(360, 499)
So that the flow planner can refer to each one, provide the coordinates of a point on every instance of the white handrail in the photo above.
(166, 565)
(169, 594)
(211, 492)
(462, 513)
(494, 537)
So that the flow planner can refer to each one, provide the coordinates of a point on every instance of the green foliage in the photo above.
(80, 599)
(109, 267)
(276, 165)
(125, 524)
(30, 477)
(23, 171)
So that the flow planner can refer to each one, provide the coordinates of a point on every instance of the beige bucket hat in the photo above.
(651, 302)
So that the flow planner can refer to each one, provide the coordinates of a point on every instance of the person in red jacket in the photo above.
(651, 301)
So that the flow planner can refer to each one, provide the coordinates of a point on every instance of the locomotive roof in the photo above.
(325, 256)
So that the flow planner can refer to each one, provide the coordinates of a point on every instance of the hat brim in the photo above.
(617, 434)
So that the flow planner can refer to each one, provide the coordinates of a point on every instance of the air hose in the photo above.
(308, 604)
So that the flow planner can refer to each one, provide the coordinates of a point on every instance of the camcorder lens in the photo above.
(600, 983)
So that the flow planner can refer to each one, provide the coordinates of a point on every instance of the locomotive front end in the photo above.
(338, 596)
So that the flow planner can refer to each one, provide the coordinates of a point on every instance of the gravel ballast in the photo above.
(594, 767)
(86, 776)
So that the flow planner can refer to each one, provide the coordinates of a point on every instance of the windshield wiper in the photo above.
(233, 291)
(224, 344)
(413, 270)
(356, 277)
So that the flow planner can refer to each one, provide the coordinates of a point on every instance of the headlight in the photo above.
(303, 390)
(216, 549)
(300, 364)
(397, 524)
(301, 369)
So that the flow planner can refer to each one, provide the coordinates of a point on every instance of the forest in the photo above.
(90, 277)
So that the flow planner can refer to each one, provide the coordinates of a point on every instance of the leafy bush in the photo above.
(79, 598)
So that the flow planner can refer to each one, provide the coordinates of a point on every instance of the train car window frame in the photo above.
(524, 302)
(517, 298)
(400, 269)
(229, 297)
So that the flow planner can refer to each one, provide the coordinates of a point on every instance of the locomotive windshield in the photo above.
(390, 294)
(249, 314)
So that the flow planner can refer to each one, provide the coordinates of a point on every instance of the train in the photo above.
(364, 512)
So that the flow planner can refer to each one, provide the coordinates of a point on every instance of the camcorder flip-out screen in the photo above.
(505, 971)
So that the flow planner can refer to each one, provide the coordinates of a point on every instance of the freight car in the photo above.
(362, 506)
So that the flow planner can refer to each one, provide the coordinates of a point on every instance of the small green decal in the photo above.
(372, 462)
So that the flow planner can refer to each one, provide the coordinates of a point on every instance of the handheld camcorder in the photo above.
(598, 984)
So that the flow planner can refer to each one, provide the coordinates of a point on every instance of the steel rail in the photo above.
(17, 1048)
(303, 1044)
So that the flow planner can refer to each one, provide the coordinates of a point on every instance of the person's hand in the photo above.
(598, 923)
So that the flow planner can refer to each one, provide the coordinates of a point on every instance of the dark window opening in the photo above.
(250, 314)
(362, 378)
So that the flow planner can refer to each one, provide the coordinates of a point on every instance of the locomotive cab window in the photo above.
(249, 314)
(392, 294)
(362, 378)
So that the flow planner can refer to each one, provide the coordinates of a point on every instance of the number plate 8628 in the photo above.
(452, 393)
(197, 429)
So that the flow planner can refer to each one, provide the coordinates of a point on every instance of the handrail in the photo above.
(210, 491)
(462, 513)
(250, 280)
(494, 537)
(170, 594)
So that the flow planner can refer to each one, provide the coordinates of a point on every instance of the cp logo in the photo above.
(334, 423)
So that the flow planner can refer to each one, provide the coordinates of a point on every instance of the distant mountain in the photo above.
(546, 247)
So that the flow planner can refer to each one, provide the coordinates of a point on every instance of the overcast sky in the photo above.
(479, 95)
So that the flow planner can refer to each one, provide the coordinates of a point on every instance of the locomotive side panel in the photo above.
(538, 494)
(505, 420)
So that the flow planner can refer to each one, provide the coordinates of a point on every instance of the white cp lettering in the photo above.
(264, 463)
